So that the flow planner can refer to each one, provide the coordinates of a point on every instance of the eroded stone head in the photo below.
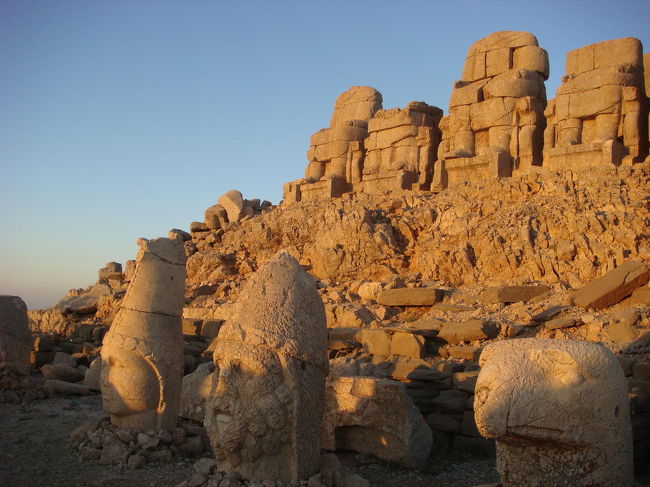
(142, 360)
(265, 411)
(555, 402)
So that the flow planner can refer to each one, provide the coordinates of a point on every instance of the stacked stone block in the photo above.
(401, 147)
(600, 114)
(495, 124)
(336, 153)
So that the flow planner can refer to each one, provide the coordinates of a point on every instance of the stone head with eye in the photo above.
(264, 413)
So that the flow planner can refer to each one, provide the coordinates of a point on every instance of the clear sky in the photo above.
(123, 119)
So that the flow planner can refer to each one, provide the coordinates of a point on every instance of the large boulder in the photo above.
(613, 287)
(371, 415)
(85, 303)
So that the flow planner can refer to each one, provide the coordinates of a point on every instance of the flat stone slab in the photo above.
(512, 294)
(613, 287)
(416, 296)
(466, 331)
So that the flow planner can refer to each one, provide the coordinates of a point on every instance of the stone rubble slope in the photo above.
(545, 226)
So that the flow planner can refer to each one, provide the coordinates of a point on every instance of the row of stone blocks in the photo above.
(499, 122)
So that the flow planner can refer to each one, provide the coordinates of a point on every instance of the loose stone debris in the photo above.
(431, 284)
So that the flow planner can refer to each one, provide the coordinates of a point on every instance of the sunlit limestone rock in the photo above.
(336, 153)
(142, 354)
(559, 412)
(265, 411)
(599, 114)
(496, 119)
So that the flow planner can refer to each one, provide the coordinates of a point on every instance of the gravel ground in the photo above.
(34, 450)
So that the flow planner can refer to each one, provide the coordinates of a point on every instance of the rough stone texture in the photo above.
(466, 331)
(407, 345)
(547, 228)
(495, 124)
(195, 391)
(142, 359)
(409, 297)
(558, 410)
(93, 375)
(401, 148)
(234, 205)
(15, 338)
(599, 115)
(512, 294)
(85, 303)
(58, 387)
(613, 287)
(336, 153)
(264, 415)
(375, 416)
(376, 341)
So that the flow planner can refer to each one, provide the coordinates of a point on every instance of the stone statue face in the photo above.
(249, 406)
(129, 384)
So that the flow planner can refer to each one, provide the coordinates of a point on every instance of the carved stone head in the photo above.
(142, 361)
(265, 411)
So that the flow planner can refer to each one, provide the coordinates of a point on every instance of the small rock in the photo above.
(178, 436)
(165, 436)
(196, 480)
(124, 435)
(192, 446)
(205, 466)
(114, 451)
(136, 461)
(160, 456)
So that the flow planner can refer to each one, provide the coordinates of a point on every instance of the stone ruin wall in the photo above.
(499, 123)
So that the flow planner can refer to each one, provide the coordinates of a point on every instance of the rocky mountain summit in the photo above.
(429, 238)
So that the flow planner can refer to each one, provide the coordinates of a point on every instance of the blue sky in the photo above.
(123, 119)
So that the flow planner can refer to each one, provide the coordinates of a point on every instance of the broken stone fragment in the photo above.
(613, 286)
(407, 345)
(421, 296)
(15, 337)
(357, 419)
(58, 387)
(61, 373)
(512, 294)
(376, 341)
(195, 390)
(233, 203)
(466, 331)
(558, 323)
(640, 295)
(85, 303)
(555, 402)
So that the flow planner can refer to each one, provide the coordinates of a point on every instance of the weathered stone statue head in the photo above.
(142, 354)
(15, 338)
(265, 412)
(558, 410)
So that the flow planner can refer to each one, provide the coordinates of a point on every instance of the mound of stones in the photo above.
(109, 444)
